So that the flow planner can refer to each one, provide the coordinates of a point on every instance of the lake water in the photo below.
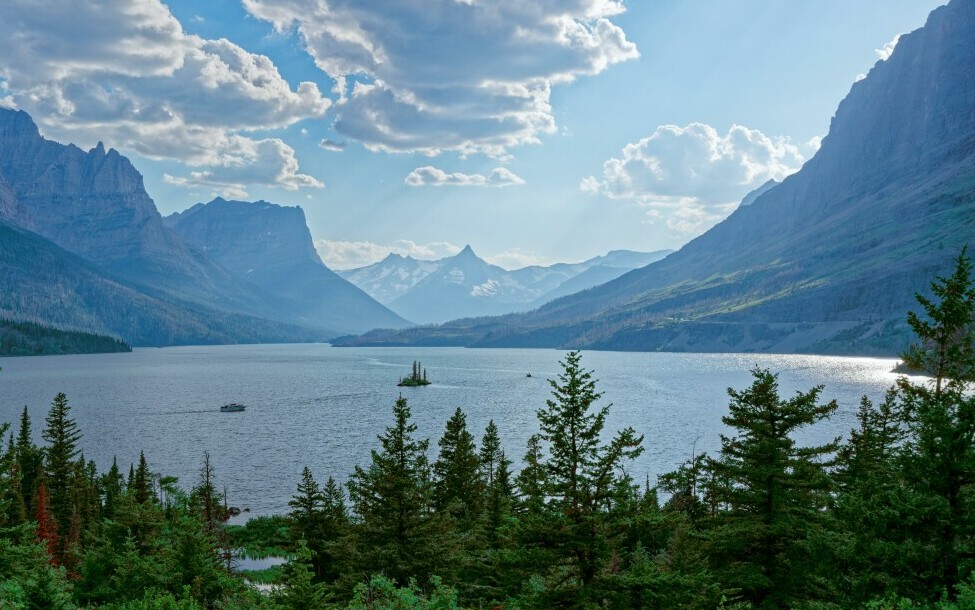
(322, 407)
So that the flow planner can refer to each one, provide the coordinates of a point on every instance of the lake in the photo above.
(322, 407)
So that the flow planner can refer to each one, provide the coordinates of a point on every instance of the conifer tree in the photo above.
(30, 461)
(457, 484)
(142, 484)
(939, 456)
(393, 501)
(62, 435)
(582, 474)
(772, 492)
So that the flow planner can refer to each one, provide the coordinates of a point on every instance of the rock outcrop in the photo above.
(270, 247)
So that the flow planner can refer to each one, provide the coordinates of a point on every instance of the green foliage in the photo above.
(771, 492)
(418, 377)
(397, 532)
(381, 593)
(458, 487)
(297, 590)
(30, 339)
(939, 455)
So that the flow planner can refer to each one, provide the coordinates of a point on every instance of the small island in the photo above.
(417, 378)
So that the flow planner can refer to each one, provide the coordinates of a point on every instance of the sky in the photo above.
(536, 132)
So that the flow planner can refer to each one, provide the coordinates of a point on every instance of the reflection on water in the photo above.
(322, 407)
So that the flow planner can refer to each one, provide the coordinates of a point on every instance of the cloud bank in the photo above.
(469, 76)
(692, 176)
(431, 176)
(124, 71)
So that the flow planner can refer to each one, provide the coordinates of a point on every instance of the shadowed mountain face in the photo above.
(270, 246)
(828, 260)
(106, 262)
(94, 204)
(465, 285)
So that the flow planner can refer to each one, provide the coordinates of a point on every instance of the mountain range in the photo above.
(464, 285)
(84, 248)
(828, 261)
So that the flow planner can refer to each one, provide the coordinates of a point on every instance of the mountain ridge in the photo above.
(828, 260)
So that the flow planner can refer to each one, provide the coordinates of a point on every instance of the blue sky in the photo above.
(537, 132)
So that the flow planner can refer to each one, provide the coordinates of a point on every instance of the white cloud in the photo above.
(432, 176)
(887, 50)
(693, 176)
(331, 145)
(353, 254)
(268, 162)
(467, 76)
(125, 72)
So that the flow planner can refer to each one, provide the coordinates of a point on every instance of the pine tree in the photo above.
(393, 500)
(499, 493)
(298, 590)
(939, 456)
(30, 461)
(772, 492)
(457, 485)
(582, 474)
(62, 435)
(142, 484)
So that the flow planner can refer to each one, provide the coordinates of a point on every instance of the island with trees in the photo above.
(417, 377)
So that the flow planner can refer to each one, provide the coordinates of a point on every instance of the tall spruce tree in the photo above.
(772, 492)
(30, 461)
(457, 485)
(396, 532)
(62, 436)
(939, 456)
(582, 473)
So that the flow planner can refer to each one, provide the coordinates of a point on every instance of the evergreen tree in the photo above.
(499, 492)
(297, 590)
(396, 533)
(62, 435)
(939, 456)
(531, 481)
(30, 461)
(582, 474)
(457, 484)
(142, 484)
(772, 492)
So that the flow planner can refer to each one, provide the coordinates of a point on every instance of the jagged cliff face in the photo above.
(270, 246)
(90, 203)
(94, 204)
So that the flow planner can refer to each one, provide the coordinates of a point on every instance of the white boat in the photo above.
(232, 407)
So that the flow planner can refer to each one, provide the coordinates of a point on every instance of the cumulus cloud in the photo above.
(268, 162)
(887, 50)
(693, 176)
(124, 71)
(432, 176)
(462, 75)
(353, 254)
